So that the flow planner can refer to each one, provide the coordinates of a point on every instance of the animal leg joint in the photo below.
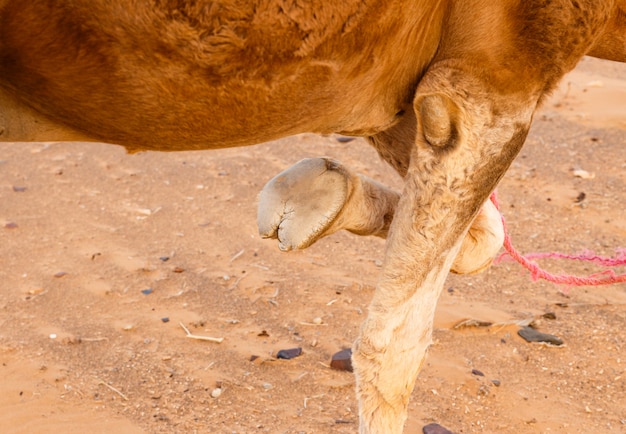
(438, 120)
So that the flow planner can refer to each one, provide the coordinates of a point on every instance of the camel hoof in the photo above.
(300, 203)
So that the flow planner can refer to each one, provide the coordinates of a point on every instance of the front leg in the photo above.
(469, 133)
(317, 197)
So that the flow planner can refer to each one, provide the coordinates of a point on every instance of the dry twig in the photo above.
(201, 338)
(112, 388)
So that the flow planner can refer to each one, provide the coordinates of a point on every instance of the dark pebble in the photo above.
(165, 319)
(147, 291)
(289, 354)
(477, 372)
(342, 360)
(531, 335)
(344, 139)
(549, 315)
(496, 383)
(10, 225)
(435, 428)
(164, 258)
(60, 274)
(178, 270)
(18, 189)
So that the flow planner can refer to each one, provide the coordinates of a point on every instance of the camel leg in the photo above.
(469, 133)
(317, 197)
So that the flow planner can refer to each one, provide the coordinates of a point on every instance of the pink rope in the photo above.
(608, 276)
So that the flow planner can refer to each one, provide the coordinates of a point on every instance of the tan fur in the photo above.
(445, 90)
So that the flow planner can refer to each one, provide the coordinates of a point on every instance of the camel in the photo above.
(444, 90)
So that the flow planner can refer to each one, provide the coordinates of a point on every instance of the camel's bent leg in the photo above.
(317, 197)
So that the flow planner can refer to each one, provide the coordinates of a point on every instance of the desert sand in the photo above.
(103, 255)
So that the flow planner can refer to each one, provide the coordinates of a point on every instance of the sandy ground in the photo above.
(85, 228)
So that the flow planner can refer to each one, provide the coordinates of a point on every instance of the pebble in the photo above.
(435, 428)
(344, 139)
(216, 393)
(477, 372)
(146, 291)
(289, 354)
(580, 173)
(317, 320)
(531, 335)
(342, 360)
(165, 319)
(267, 386)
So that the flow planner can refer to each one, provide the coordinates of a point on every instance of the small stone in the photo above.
(477, 372)
(496, 383)
(531, 335)
(216, 393)
(10, 225)
(147, 291)
(164, 258)
(18, 189)
(53, 335)
(435, 428)
(289, 354)
(60, 274)
(267, 386)
(342, 360)
(345, 139)
(595, 83)
(165, 319)
(317, 320)
(178, 270)
(549, 315)
(580, 173)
